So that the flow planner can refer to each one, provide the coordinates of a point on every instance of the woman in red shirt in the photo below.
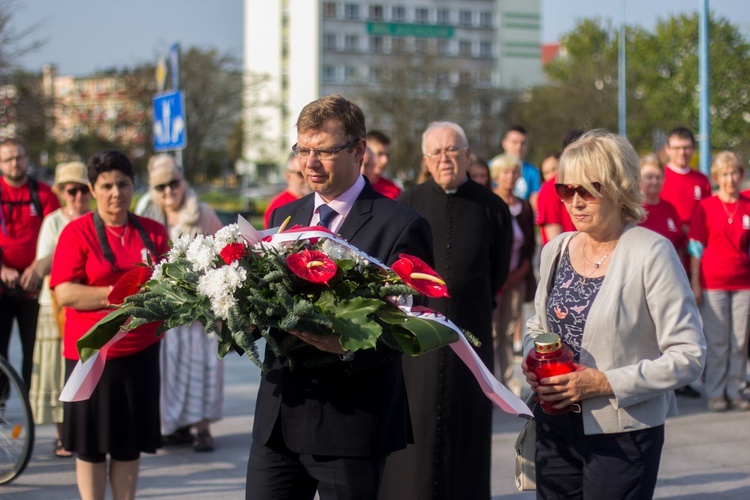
(661, 216)
(720, 277)
(122, 416)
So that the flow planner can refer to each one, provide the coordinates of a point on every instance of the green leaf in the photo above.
(352, 320)
(416, 336)
(102, 332)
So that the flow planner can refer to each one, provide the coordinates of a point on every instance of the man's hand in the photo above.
(9, 276)
(30, 280)
(326, 342)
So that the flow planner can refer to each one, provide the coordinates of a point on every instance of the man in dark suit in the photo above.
(330, 428)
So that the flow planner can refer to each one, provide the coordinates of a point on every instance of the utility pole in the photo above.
(704, 127)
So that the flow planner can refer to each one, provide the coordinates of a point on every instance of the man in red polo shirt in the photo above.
(24, 202)
(683, 187)
(380, 144)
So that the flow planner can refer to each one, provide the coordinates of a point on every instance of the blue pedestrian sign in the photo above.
(170, 127)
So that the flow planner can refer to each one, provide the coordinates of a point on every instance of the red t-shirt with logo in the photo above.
(725, 264)
(21, 223)
(79, 258)
(663, 219)
(551, 210)
(685, 191)
(387, 188)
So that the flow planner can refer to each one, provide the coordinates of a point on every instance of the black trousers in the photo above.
(26, 312)
(276, 473)
(570, 464)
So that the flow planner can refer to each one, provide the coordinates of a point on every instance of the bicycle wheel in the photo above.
(16, 424)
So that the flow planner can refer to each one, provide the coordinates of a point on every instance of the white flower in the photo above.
(179, 248)
(227, 234)
(201, 253)
(336, 251)
(157, 273)
(219, 286)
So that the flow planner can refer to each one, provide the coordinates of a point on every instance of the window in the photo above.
(398, 45)
(351, 43)
(398, 14)
(329, 10)
(464, 78)
(350, 74)
(376, 43)
(329, 41)
(421, 46)
(443, 16)
(485, 49)
(375, 74)
(464, 18)
(464, 47)
(443, 47)
(329, 74)
(485, 19)
(351, 11)
(422, 15)
(376, 12)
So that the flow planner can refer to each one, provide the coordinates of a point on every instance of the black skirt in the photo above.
(122, 416)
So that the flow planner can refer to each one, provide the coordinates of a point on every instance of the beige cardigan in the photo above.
(643, 331)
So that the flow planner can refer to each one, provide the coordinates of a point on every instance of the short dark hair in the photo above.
(571, 136)
(107, 161)
(333, 107)
(15, 141)
(378, 137)
(516, 128)
(682, 133)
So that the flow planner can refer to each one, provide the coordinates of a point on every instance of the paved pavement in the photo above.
(705, 456)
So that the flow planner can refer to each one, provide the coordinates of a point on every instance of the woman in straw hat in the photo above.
(48, 376)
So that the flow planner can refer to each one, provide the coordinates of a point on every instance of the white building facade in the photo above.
(311, 48)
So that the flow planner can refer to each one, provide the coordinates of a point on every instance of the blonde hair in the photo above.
(726, 159)
(603, 157)
(502, 163)
(653, 160)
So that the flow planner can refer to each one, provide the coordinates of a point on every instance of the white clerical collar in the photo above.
(453, 191)
(677, 170)
(342, 204)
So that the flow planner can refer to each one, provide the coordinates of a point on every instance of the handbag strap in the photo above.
(101, 234)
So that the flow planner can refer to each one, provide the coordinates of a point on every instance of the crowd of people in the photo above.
(644, 274)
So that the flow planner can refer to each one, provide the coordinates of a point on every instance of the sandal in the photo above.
(204, 442)
(60, 451)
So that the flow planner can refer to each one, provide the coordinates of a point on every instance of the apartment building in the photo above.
(311, 48)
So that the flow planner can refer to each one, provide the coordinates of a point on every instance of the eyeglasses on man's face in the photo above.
(450, 152)
(567, 191)
(321, 154)
(172, 185)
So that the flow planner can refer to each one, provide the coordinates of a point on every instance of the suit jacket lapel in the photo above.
(360, 213)
(303, 213)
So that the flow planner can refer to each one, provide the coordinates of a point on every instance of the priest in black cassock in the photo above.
(451, 417)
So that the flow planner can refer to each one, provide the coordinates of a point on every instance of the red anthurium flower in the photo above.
(232, 252)
(129, 284)
(312, 265)
(418, 275)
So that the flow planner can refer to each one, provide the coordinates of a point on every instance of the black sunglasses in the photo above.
(173, 184)
(73, 192)
(567, 191)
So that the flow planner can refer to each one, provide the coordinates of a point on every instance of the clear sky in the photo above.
(88, 35)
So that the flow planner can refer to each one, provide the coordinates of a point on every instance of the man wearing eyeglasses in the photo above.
(24, 203)
(330, 428)
(452, 419)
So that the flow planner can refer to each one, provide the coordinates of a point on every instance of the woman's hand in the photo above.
(564, 390)
(530, 376)
(326, 342)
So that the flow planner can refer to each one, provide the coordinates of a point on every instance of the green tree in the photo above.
(662, 84)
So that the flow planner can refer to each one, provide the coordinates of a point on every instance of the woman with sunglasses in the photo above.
(720, 275)
(619, 298)
(192, 376)
(121, 418)
(48, 376)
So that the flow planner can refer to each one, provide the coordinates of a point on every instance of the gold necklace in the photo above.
(120, 237)
(730, 217)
